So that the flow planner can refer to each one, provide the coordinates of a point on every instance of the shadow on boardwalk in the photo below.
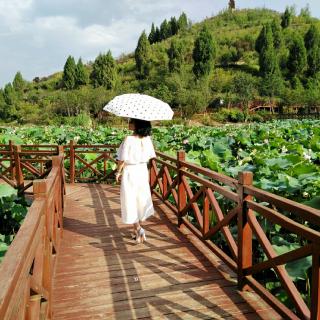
(103, 274)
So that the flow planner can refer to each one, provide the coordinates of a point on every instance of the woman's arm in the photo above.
(120, 165)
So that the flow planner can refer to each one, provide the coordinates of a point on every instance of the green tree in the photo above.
(204, 53)
(157, 35)
(244, 85)
(174, 26)
(263, 37)
(104, 71)
(175, 54)
(82, 77)
(277, 34)
(183, 22)
(297, 60)
(267, 58)
(272, 85)
(3, 106)
(165, 30)
(312, 44)
(18, 82)
(69, 74)
(286, 18)
(142, 56)
(152, 34)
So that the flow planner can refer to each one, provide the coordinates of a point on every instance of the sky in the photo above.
(37, 36)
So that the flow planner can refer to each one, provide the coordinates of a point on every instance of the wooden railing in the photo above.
(21, 164)
(229, 216)
(28, 266)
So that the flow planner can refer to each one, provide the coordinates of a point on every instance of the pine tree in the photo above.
(174, 26)
(297, 60)
(81, 74)
(267, 57)
(261, 40)
(175, 54)
(104, 71)
(157, 35)
(164, 30)
(18, 82)
(142, 55)
(277, 34)
(286, 18)
(183, 22)
(312, 44)
(69, 74)
(9, 94)
(152, 34)
(204, 53)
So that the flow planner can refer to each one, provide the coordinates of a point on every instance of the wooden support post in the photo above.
(18, 169)
(72, 162)
(40, 189)
(244, 229)
(164, 184)
(182, 196)
(152, 173)
(315, 283)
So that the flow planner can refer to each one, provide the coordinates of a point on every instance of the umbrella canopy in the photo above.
(139, 106)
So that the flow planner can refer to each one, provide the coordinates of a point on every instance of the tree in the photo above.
(183, 22)
(286, 18)
(152, 34)
(175, 54)
(297, 60)
(277, 34)
(142, 55)
(262, 38)
(267, 58)
(104, 71)
(81, 74)
(204, 53)
(157, 35)
(312, 44)
(244, 86)
(69, 74)
(165, 30)
(18, 83)
(272, 84)
(174, 26)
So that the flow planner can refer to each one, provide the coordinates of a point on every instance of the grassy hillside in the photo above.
(235, 33)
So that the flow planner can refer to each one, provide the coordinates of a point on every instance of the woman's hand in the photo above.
(118, 174)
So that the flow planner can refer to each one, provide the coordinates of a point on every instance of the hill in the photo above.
(234, 79)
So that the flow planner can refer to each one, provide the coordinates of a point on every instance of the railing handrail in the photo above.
(245, 195)
(26, 268)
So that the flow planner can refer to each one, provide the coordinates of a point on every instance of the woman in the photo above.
(133, 156)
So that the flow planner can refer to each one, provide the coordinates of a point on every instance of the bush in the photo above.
(82, 120)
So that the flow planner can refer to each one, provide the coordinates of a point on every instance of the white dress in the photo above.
(135, 195)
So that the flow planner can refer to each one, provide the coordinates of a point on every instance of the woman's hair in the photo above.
(142, 127)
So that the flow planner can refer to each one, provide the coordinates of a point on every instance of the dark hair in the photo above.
(142, 127)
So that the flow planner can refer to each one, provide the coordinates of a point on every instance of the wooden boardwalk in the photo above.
(102, 274)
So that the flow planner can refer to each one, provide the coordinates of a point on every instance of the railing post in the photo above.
(182, 196)
(12, 166)
(164, 184)
(315, 283)
(40, 189)
(72, 162)
(244, 229)
(18, 169)
(152, 173)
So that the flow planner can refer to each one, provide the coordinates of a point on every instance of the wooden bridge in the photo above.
(73, 258)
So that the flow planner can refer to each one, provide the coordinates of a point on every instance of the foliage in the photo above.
(142, 56)
(286, 18)
(203, 54)
(312, 44)
(69, 74)
(175, 53)
(82, 77)
(104, 71)
(297, 60)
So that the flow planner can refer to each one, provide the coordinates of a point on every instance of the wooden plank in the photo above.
(102, 274)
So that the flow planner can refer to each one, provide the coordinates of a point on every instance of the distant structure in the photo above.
(232, 5)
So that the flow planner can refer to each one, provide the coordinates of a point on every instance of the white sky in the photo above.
(36, 36)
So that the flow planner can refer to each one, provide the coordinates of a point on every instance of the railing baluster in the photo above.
(244, 229)
(12, 166)
(18, 171)
(72, 162)
(315, 283)
(206, 220)
(182, 196)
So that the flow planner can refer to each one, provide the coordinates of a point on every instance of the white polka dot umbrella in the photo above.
(139, 106)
